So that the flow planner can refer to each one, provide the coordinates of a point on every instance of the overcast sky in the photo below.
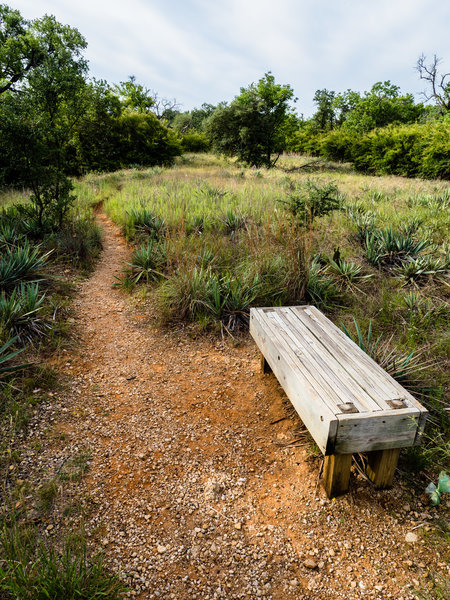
(204, 50)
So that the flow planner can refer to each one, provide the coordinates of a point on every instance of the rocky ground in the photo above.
(192, 479)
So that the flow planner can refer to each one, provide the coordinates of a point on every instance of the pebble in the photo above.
(411, 537)
(309, 563)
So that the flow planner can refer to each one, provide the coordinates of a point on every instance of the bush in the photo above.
(338, 145)
(312, 199)
(194, 142)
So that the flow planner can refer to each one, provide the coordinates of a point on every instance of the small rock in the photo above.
(411, 537)
(161, 549)
(309, 563)
(238, 526)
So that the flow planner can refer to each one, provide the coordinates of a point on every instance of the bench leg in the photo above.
(265, 368)
(381, 466)
(336, 474)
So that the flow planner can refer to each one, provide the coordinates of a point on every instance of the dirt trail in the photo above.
(190, 490)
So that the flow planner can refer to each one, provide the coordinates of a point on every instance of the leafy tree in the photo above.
(382, 106)
(324, 118)
(256, 124)
(38, 124)
(20, 49)
(135, 96)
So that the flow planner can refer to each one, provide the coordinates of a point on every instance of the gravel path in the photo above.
(192, 490)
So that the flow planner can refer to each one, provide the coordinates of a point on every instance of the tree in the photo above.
(324, 118)
(38, 124)
(256, 124)
(135, 96)
(382, 106)
(439, 82)
(20, 49)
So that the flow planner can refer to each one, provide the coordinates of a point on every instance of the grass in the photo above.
(354, 245)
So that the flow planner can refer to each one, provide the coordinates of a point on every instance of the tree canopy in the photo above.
(255, 126)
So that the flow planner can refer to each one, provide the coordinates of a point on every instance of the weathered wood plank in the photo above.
(336, 474)
(372, 369)
(327, 363)
(357, 368)
(307, 362)
(315, 414)
(391, 429)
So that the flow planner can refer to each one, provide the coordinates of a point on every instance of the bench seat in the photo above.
(346, 400)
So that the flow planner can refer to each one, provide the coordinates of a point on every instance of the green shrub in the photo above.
(338, 145)
(311, 199)
(194, 142)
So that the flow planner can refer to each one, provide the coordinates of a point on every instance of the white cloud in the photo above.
(202, 51)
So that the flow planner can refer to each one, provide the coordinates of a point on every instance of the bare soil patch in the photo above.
(193, 490)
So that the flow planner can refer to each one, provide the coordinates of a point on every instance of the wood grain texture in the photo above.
(320, 421)
(381, 466)
(348, 402)
(336, 474)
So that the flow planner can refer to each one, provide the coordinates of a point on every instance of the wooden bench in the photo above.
(346, 400)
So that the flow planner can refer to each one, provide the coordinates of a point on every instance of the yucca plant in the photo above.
(233, 221)
(238, 296)
(21, 263)
(364, 223)
(404, 367)
(389, 247)
(423, 268)
(9, 235)
(321, 288)
(7, 357)
(19, 312)
(347, 273)
(145, 221)
(148, 261)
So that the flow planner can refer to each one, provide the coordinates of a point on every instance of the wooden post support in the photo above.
(381, 466)
(336, 474)
(265, 368)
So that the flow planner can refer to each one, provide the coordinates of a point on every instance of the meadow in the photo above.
(211, 238)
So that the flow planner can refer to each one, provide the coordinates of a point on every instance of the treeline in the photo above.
(380, 132)
(55, 122)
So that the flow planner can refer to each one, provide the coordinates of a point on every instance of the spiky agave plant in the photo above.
(403, 367)
(19, 312)
(21, 263)
(422, 268)
(7, 357)
(148, 261)
(348, 274)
